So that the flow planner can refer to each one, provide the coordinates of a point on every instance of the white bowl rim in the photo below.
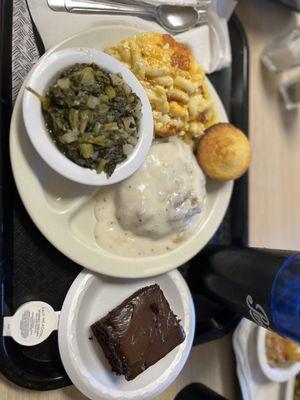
(277, 374)
(44, 145)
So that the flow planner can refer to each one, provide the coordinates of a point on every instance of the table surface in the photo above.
(274, 198)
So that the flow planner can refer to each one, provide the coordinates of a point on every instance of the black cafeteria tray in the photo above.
(32, 269)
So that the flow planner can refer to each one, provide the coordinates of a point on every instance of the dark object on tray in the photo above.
(32, 269)
(197, 391)
(139, 332)
(297, 388)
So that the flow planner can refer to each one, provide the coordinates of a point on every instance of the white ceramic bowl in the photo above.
(45, 72)
(277, 374)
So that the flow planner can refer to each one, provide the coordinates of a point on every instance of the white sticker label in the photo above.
(32, 323)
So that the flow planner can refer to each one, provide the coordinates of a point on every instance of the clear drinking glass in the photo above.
(290, 92)
(283, 52)
(282, 57)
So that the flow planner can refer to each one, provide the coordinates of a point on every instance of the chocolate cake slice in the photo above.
(139, 332)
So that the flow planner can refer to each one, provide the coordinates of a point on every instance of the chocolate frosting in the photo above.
(139, 332)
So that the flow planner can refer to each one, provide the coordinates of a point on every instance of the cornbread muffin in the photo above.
(224, 152)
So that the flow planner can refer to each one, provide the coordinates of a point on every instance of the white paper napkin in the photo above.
(211, 45)
(224, 8)
(254, 385)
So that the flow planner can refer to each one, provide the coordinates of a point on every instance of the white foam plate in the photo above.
(91, 297)
(64, 211)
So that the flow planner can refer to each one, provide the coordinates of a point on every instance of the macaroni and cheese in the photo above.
(174, 82)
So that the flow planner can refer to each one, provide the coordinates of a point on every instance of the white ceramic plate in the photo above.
(64, 211)
(282, 374)
(90, 297)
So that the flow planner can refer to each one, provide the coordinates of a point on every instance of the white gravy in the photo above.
(155, 209)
